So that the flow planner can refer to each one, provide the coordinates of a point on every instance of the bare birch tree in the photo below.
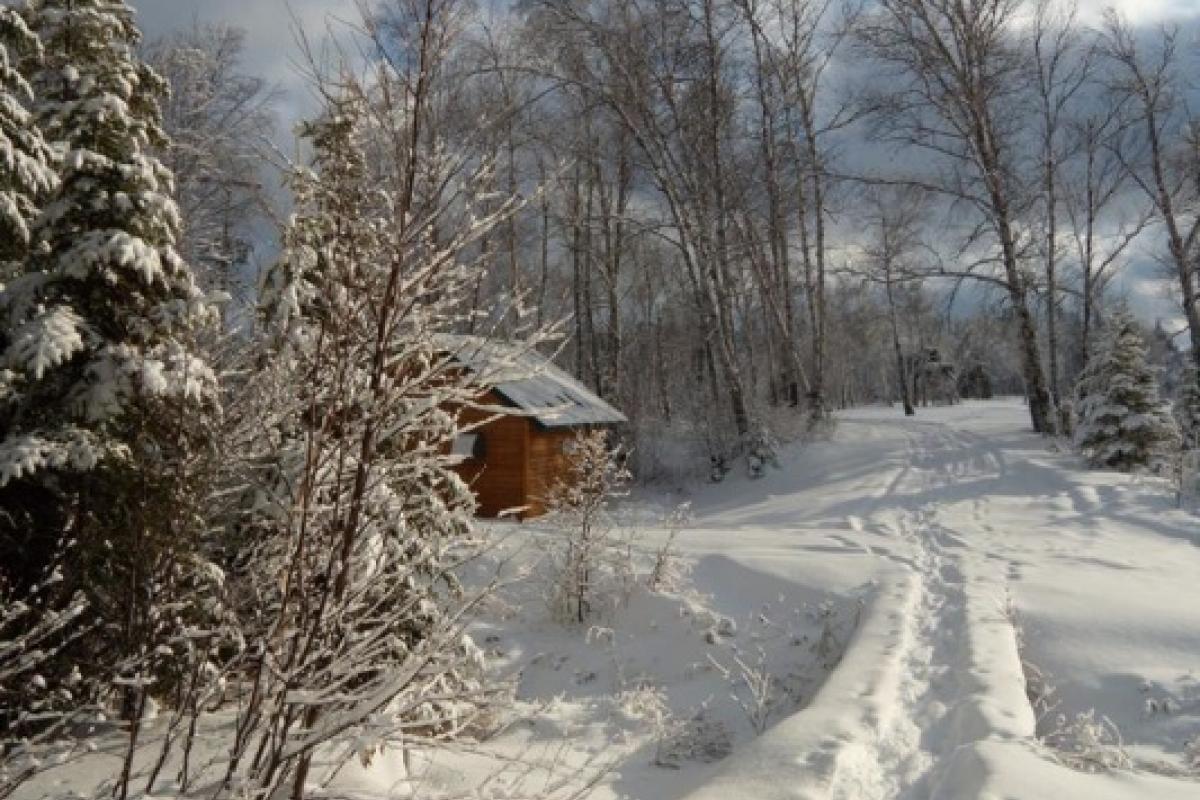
(1159, 151)
(958, 97)
(1061, 67)
(1101, 231)
(895, 217)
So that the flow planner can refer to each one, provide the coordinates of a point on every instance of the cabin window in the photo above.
(469, 446)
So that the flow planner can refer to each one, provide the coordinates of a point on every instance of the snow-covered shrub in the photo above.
(761, 450)
(354, 526)
(1120, 421)
(1039, 689)
(1089, 743)
(40, 696)
(831, 642)
(646, 703)
(753, 686)
(669, 573)
(587, 566)
(702, 738)
(1191, 753)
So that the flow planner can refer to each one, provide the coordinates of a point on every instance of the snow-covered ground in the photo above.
(970, 523)
(938, 538)
(898, 584)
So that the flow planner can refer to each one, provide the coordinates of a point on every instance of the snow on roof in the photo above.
(531, 382)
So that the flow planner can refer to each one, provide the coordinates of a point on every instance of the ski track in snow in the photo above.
(914, 730)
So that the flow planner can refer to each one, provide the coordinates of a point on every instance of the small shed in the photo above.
(513, 459)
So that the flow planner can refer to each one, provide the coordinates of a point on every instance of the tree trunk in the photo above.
(901, 378)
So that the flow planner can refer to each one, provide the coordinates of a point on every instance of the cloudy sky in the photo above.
(270, 45)
(271, 49)
(270, 33)
(270, 28)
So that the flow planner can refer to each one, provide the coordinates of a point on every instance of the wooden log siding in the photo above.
(499, 479)
(524, 453)
(547, 464)
(521, 462)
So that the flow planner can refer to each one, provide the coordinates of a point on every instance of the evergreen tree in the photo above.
(27, 175)
(109, 394)
(1120, 421)
(26, 169)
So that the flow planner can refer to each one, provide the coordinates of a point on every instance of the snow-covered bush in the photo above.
(1120, 420)
(1089, 743)
(39, 699)
(753, 685)
(669, 572)
(354, 525)
(761, 450)
(587, 567)
(1084, 741)
(1039, 688)
(702, 738)
(1191, 751)
(646, 703)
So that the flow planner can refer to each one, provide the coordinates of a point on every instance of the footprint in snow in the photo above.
(951, 574)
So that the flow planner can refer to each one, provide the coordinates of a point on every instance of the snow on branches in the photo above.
(107, 396)
(106, 315)
(26, 162)
(356, 524)
(585, 562)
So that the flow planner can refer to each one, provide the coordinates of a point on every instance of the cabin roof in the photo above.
(531, 382)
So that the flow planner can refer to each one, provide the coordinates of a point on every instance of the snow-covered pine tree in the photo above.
(109, 395)
(27, 175)
(355, 522)
(27, 172)
(37, 620)
(1120, 420)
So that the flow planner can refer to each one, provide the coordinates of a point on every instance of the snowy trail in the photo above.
(929, 702)
(920, 716)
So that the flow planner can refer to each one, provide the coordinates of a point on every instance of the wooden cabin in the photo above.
(513, 459)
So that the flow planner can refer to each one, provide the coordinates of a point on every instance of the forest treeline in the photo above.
(746, 207)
